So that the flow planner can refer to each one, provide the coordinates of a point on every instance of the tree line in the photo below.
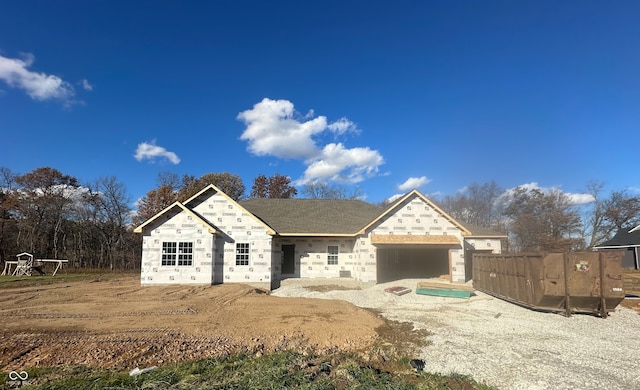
(536, 220)
(52, 215)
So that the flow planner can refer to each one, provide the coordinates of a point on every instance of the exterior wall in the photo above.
(489, 244)
(180, 227)
(237, 226)
(311, 256)
(415, 217)
(365, 255)
(214, 255)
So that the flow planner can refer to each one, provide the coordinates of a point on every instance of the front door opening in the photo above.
(288, 264)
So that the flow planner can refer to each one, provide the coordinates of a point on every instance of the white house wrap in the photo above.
(210, 238)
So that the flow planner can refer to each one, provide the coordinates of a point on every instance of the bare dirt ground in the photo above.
(506, 345)
(116, 323)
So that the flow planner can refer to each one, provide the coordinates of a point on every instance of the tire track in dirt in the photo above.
(118, 324)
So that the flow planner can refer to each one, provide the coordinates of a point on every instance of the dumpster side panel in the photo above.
(536, 278)
(583, 273)
(612, 277)
(585, 282)
(522, 288)
(553, 282)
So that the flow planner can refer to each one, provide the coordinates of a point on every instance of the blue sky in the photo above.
(385, 96)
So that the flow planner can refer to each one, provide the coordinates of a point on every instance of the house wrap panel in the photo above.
(216, 224)
(416, 217)
(311, 256)
(237, 226)
(179, 227)
(492, 244)
(365, 254)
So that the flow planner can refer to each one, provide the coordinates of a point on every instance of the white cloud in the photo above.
(579, 199)
(274, 128)
(395, 197)
(413, 183)
(150, 151)
(85, 84)
(39, 86)
(344, 165)
(431, 195)
(574, 199)
(342, 125)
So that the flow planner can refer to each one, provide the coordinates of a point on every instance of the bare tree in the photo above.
(595, 228)
(260, 188)
(476, 205)
(43, 202)
(622, 210)
(153, 202)
(606, 215)
(542, 221)
(276, 186)
(8, 226)
(228, 183)
(169, 179)
(322, 190)
(111, 204)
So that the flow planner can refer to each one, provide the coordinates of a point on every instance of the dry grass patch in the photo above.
(633, 304)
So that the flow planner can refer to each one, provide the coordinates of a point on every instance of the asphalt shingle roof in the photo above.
(479, 231)
(623, 238)
(313, 216)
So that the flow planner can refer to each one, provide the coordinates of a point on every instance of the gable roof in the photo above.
(212, 229)
(479, 231)
(216, 190)
(415, 193)
(208, 188)
(312, 217)
(330, 217)
(623, 238)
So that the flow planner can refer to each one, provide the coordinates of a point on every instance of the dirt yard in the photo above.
(117, 323)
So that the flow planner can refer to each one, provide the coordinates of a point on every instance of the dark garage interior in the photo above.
(414, 262)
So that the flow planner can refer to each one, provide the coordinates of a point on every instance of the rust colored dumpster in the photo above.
(575, 282)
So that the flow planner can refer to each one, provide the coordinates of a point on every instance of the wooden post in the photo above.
(567, 299)
(603, 301)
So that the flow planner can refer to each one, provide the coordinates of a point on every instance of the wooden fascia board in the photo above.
(464, 230)
(616, 246)
(317, 235)
(205, 189)
(210, 228)
(485, 236)
(408, 239)
(270, 231)
(148, 221)
(383, 214)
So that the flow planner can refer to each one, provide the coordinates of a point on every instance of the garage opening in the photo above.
(415, 262)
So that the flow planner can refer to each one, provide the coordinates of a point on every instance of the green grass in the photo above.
(274, 371)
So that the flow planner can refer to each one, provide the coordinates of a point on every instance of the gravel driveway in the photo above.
(506, 345)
